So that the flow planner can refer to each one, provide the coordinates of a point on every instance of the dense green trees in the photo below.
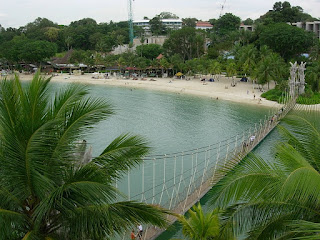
(284, 12)
(227, 23)
(156, 26)
(313, 76)
(149, 51)
(21, 49)
(281, 35)
(188, 42)
(189, 22)
(268, 199)
(49, 187)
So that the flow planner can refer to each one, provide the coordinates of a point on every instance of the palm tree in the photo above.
(200, 226)
(265, 71)
(48, 188)
(266, 200)
(231, 70)
(215, 68)
(247, 59)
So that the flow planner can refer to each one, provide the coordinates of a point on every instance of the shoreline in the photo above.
(243, 92)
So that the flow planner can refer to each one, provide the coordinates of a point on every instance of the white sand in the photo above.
(243, 92)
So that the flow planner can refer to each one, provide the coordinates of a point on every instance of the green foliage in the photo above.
(284, 12)
(189, 22)
(270, 67)
(227, 23)
(273, 95)
(281, 35)
(149, 51)
(200, 225)
(167, 15)
(263, 198)
(309, 98)
(188, 42)
(313, 76)
(156, 26)
(49, 187)
(248, 21)
(22, 49)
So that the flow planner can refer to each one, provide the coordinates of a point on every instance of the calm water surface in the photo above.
(171, 122)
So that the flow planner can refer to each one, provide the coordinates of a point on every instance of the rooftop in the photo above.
(204, 24)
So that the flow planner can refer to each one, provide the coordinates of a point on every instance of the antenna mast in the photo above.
(222, 8)
(130, 20)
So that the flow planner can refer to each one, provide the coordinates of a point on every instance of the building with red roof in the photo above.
(204, 25)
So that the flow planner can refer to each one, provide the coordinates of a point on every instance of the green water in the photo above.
(171, 123)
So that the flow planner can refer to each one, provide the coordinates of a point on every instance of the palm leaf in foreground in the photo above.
(262, 197)
(47, 189)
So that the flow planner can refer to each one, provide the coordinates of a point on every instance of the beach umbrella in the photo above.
(179, 74)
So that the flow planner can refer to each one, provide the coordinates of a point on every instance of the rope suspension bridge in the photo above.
(177, 181)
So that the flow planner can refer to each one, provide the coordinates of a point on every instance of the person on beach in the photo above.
(132, 235)
(140, 231)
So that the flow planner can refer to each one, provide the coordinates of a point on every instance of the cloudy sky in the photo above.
(16, 13)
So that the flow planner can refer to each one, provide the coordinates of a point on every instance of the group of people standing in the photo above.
(139, 233)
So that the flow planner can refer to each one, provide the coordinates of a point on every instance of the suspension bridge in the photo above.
(177, 181)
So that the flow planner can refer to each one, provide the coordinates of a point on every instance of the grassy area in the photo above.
(308, 98)
(273, 95)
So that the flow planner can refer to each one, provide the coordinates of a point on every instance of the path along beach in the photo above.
(243, 92)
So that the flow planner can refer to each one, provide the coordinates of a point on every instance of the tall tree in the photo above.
(227, 23)
(49, 187)
(156, 26)
(189, 22)
(167, 15)
(149, 51)
(281, 35)
(188, 42)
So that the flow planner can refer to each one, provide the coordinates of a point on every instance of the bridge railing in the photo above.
(178, 181)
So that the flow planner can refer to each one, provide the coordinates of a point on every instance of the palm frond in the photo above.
(99, 221)
(252, 180)
(305, 137)
(310, 230)
(122, 154)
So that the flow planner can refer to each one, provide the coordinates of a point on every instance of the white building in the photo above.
(246, 27)
(150, 40)
(309, 26)
(169, 23)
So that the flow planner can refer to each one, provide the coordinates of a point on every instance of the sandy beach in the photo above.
(243, 92)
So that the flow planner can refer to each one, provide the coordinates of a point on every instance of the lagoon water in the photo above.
(170, 122)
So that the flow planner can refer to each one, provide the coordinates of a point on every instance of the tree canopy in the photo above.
(188, 42)
(286, 40)
(227, 23)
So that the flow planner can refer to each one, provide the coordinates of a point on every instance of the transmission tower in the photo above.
(222, 8)
(130, 20)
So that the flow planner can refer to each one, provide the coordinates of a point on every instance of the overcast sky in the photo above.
(16, 13)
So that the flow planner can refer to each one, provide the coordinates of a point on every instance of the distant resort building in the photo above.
(246, 27)
(150, 40)
(203, 25)
(309, 26)
(169, 23)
